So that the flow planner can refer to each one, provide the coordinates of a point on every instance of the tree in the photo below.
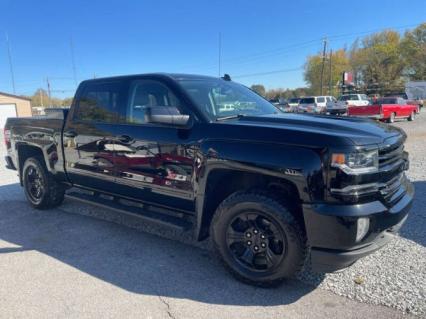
(67, 101)
(339, 63)
(413, 49)
(259, 89)
(379, 63)
(41, 98)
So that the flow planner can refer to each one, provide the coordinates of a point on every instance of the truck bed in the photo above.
(373, 111)
(44, 132)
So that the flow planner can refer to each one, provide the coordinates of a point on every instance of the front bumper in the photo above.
(331, 230)
(337, 111)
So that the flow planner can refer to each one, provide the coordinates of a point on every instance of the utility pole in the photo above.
(9, 54)
(323, 64)
(73, 62)
(40, 91)
(220, 54)
(330, 71)
(49, 92)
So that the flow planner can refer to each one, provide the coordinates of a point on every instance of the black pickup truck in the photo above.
(272, 191)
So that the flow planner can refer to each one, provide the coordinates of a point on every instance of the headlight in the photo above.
(357, 162)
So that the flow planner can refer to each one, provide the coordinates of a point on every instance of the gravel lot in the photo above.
(394, 276)
(64, 263)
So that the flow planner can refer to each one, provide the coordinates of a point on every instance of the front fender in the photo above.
(300, 166)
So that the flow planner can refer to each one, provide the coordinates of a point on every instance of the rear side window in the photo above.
(320, 99)
(307, 100)
(100, 102)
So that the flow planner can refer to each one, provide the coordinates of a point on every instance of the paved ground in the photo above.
(67, 263)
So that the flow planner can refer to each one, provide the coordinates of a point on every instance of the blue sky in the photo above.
(123, 37)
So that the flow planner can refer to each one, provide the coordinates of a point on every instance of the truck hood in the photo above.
(316, 130)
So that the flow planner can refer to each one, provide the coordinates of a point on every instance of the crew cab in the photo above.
(272, 191)
(386, 109)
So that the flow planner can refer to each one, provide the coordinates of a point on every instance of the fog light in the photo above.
(363, 224)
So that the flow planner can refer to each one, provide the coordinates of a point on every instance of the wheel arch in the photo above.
(222, 182)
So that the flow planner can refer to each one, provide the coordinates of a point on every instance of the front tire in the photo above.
(412, 116)
(258, 239)
(391, 119)
(41, 190)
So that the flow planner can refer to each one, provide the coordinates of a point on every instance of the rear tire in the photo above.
(257, 238)
(412, 116)
(41, 189)
(391, 119)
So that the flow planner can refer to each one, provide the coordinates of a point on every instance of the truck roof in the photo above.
(173, 76)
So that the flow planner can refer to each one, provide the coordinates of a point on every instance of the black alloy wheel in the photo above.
(255, 241)
(258, 238)
(34, 183)
(41, 189)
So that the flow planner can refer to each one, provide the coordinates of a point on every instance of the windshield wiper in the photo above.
(229, 117)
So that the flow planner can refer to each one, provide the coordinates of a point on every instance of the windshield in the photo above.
(218, 98)
(293, 100)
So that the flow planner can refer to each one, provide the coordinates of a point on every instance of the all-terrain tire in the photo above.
(278, 212)
(51, 193)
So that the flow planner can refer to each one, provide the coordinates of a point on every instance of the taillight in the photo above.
(7, 137)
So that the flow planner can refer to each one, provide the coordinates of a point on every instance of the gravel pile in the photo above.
(394, 276)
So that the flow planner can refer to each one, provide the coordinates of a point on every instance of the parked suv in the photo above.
(209, 156)
(313, 104)
(354, 99)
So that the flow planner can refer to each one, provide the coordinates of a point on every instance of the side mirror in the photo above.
(168, 115)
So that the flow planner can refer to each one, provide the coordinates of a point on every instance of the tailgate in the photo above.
(367, 110)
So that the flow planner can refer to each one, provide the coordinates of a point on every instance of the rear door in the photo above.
(405, 108)
(90, 134)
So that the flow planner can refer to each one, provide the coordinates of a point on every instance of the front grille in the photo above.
(392, 163)
(390, 155)
(391, 187)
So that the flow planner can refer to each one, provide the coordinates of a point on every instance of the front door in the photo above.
(154, 163)
(89, 135)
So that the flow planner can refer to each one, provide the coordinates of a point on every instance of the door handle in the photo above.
(124, 138)
(70, 134)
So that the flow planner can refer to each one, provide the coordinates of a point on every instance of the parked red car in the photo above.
(386, 109)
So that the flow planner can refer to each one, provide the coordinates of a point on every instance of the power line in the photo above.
(268, 72)
(290, 48)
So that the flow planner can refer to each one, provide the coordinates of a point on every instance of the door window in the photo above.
(148, 93)
(100, 102)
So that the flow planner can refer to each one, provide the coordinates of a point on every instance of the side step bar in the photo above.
(115, 204)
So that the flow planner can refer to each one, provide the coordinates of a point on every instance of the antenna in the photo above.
(73, 61)
(220, 54)
(10, 63)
